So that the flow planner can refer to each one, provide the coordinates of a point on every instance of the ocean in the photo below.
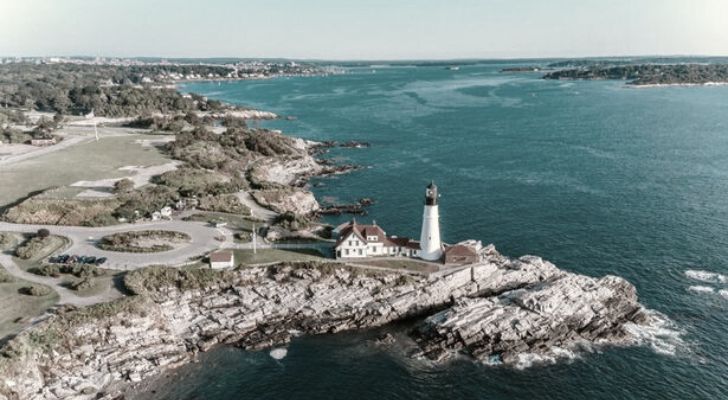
(596, 176)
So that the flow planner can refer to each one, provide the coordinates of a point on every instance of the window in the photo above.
(349, 242)
(347, 251)
(361, 252)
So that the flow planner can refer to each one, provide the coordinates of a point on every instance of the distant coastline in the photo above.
(647, 75)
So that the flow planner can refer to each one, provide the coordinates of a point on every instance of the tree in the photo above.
(43, 233)
(125, 185)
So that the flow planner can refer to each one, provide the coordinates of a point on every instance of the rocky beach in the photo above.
(499, 309)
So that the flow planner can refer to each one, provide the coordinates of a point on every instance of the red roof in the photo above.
(221, 256)
(460, 250)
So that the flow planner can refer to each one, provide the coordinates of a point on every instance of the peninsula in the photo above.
(646, 74)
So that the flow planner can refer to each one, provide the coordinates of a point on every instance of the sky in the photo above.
(366, 29)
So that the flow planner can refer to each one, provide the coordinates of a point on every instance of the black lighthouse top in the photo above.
(431, 194)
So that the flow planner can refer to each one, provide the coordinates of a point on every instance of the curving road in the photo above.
(84, 242)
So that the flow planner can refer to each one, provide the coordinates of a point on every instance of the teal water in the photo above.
(597, 177)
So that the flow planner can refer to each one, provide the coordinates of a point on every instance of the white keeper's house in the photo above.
(360, 241)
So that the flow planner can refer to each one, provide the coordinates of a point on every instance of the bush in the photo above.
(81, 270)
(31, 248)
(5, 277)
(47, 270)
(227, 203)
(83, 284)
(123, 186)
(292, 221)
(35, 290)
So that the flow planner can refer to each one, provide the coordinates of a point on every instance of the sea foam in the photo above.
(278, 354)
(701, 289)
(706, 276)
(660, 333)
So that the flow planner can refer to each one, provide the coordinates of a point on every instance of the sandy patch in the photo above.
(140, 175)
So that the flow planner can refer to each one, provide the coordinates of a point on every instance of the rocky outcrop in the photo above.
(500, 305)
(543, 320)
(297, 201)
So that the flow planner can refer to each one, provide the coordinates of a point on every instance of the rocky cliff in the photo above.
(499, 308)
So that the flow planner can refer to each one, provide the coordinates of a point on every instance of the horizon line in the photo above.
(317, 59)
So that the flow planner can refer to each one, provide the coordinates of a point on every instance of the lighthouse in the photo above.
(430, 247)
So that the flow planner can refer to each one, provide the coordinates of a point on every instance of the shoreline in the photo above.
(114, 348)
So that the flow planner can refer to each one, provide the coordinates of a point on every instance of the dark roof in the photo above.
(404, 242)
(365, 231)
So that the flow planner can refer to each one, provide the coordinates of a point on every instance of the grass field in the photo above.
(100, 284)
(16, 309)
(274, 255)
(87, 161)
(409, 265)
(234, 221)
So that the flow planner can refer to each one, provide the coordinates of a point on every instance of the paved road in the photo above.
(84, 242)
(66, 296)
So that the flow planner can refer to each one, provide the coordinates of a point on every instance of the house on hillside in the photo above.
(356, 240)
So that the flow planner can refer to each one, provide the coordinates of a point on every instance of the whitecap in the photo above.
(658, 332)
(279, 353)
(723, 293)
(701, 289)
(706, 276)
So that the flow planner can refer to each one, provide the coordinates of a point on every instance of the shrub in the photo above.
(82, 284)
(35, 290)
(31, 248)
(48, 270)
(125, 185)
(5, 277)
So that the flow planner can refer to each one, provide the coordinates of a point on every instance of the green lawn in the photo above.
(16, 309)
(276, 255)
(87, 161)
(234, 221)
(409, 265)
(100, 284)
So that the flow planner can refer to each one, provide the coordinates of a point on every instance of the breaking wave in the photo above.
(706, 276)
(278, 354)
(555, 354)
(660, 333)
(701, 289)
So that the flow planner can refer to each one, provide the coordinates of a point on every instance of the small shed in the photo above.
(461, 254)
(222, 259)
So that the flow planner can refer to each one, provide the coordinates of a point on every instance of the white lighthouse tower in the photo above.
(430, 246)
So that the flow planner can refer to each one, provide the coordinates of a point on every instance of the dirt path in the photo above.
(257, 210)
